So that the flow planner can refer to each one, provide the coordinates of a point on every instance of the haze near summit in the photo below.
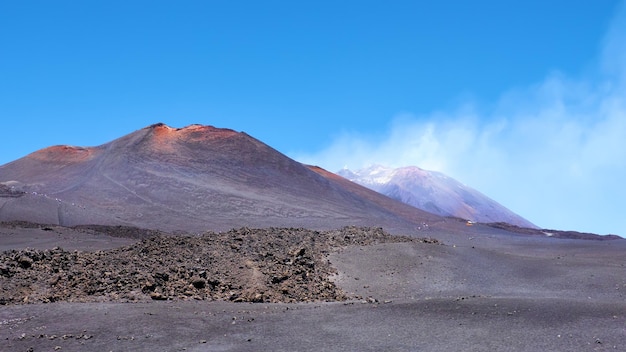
(523, 102)
(553, 151)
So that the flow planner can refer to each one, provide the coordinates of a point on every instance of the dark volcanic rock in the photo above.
(9, 192)
(244, 265)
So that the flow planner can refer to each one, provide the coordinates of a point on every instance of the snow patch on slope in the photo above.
(434, 192)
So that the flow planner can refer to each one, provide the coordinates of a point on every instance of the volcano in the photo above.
(434, 192)
(495, 286)
(189, 179)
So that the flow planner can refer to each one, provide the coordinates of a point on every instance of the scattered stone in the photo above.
(25, 262)
(241, 265)
(372, 300)
(199, 282)
(157, 296)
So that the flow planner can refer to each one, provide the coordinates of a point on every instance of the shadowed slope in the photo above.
(191, 179)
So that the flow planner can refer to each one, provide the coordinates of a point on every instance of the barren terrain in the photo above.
(360, 289)
(245, 265)
(189, 179)
(206, 239)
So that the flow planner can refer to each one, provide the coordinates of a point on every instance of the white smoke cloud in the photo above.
(554, 152)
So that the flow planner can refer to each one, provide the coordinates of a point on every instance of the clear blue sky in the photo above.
(341, 83)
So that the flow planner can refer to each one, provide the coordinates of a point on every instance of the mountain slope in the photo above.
(190, 179)
(434, 192)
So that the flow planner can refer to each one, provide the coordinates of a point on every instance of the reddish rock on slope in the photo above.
(189, 179)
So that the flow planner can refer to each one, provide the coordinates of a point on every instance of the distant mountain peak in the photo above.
(434, 192)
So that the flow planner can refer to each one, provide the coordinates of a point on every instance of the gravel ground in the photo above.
(244, 265)
(365, 291)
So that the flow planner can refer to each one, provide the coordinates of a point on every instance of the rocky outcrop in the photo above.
(244, 265)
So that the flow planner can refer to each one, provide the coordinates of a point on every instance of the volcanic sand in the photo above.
(479, 291)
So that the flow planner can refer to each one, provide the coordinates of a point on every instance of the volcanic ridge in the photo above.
(190, 179)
